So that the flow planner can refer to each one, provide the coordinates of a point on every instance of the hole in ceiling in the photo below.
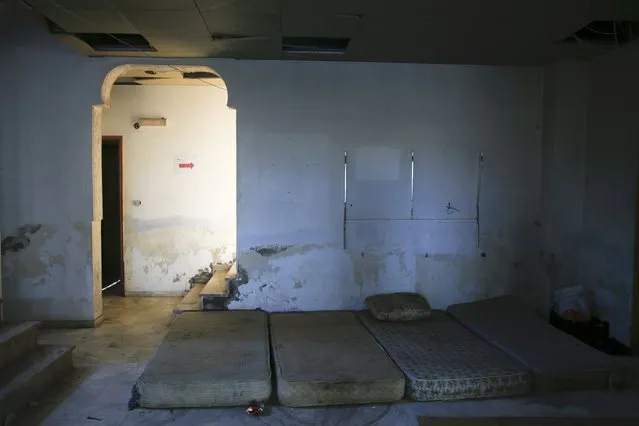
(102, 42)
(199, 75)
(105, 42)
(150, 72)
(314, 46)
(615, 33)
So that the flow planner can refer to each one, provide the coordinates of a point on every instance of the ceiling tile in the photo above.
(240, 6)
(338, 7)
(319, 25)
(257, 48)
(72, 4)
(88, 21)
(177, 43)
(153, 4)
(167, 23)
(243, 24)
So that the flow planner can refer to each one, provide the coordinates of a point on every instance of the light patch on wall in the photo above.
(377, 163)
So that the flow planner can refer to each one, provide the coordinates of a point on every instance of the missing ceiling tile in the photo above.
(199, 75)
(103, 42)
(612, 33)
(314, 46)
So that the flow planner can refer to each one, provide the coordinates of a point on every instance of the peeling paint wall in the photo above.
(186, 219)
(45, 166)
(297, 120)
(30, 273)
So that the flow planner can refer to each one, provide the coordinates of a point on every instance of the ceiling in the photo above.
(168, 77)
(518, 32)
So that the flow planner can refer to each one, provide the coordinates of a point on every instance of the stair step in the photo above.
(215, 293)
(232, 273)
(192, 301)
(16, 340)
(24, 380)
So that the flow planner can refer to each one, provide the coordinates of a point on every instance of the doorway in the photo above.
(112, 227)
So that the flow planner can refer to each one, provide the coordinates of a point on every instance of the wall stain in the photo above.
(270, 250)
(21, 241)
(178, 277)
(298, 284)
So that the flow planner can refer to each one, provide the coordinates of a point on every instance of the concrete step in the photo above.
(224, 267)
(231, 274)
(215, 293)
(24, 380)
(16, 340)
(192, 301)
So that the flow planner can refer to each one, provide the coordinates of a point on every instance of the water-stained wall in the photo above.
(295, 121)
(178, 183)
(426, 154)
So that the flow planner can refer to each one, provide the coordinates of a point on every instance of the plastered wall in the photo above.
(186, 217)
(293, 133)
(590, 182)
(295, 121)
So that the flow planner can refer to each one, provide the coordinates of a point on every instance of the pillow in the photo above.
(398, 307)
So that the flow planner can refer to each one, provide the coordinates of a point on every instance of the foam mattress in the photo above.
(209, 359)
(325, 358)
(444, 361)
(557, 360)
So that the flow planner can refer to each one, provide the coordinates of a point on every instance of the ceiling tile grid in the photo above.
(431, 31)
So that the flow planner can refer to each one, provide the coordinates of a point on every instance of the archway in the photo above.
(97, 138)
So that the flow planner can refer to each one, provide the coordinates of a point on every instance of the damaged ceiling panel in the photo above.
(436, 31)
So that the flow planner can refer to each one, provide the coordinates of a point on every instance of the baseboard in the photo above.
(73, 323)
(155, 293)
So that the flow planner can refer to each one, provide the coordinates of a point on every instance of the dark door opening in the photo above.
(112, 241)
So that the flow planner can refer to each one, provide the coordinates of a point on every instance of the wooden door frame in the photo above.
(117, 140)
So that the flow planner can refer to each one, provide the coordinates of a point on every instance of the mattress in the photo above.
(443, 361)
(326, 358)
(209, 359)
(557, 360)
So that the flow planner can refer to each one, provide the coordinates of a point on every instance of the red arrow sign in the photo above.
(186, 165)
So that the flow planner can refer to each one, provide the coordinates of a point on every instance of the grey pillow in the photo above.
(398, 307)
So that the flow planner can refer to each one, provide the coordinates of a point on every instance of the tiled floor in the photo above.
(110, 358)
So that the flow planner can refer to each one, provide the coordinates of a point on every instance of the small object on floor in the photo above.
(134, 402)
(255, 408)
(94, 418)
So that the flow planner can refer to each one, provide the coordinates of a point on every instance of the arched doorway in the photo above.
(98, 115)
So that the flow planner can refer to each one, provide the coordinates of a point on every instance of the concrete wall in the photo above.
(612, 150)
(187, 217)
(45, 180)
(295, 120)
(301, 125)
(590, 181)
(566, 89)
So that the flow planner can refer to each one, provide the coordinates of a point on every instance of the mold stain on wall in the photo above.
(50, 276)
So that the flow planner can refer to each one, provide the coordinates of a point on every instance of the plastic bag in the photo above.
(570, 304)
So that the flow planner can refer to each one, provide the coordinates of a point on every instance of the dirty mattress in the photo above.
(209, 359)
(557, 360)
(325, 358)
(444, 361)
